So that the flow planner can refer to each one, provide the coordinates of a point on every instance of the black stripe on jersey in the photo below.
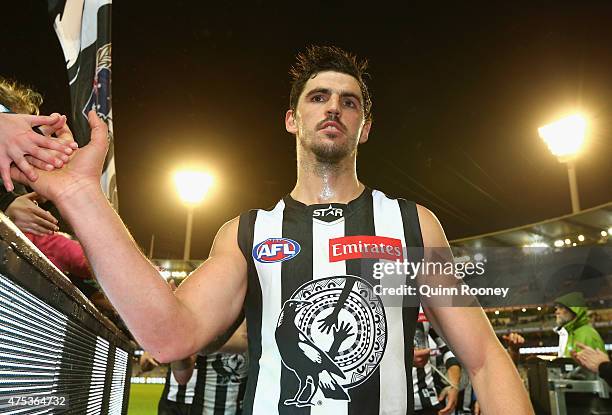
(296, 228)
(365, 397)
(412, 226)
(241, 390)
(220, 391)
(180, 394)
(421, 375)
(197, 405)
(166, 390)
(253, 305)
(413, 238)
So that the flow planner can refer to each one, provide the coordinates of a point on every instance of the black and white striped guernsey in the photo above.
(320, 340)
(216, 386)
(426, 383)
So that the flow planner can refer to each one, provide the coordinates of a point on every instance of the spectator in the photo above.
(429, 397)
(573, 324)
(21, 145)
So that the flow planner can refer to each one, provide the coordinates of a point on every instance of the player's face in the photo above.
(329, 117)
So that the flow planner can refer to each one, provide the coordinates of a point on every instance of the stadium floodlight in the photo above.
(192, 187)
(565, 138)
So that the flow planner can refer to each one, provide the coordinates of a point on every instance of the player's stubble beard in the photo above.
(328, 154)
(326, 158)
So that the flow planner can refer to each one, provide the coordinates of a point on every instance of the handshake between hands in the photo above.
(51, 163)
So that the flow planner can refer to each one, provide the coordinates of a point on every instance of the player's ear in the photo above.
(290, 123)
(365, 132)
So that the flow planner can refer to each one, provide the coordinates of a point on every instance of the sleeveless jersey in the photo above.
(426, 383)
(216, 386)
(321, 341)
(221, 384)
(175, 392)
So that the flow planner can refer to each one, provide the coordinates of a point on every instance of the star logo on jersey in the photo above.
(332, 334)
(328, 214)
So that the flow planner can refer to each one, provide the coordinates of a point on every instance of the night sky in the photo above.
(459, 92)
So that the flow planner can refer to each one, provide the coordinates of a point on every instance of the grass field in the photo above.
(144, 398)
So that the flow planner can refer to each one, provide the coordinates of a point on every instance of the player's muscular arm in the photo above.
(214, 293)
(169, 326)
(468, 332)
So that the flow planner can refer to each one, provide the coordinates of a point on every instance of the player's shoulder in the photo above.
(426, 215)
(230, 227)
(248, 218)
(226, 236)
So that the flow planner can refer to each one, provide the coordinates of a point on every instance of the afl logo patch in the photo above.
(276, 250)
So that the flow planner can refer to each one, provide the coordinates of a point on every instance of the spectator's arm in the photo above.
(450, 394)
(514, 341)
(17, 139)
(29, 217)
(147, 362)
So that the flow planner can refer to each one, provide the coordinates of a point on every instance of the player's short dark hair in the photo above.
(318, 59)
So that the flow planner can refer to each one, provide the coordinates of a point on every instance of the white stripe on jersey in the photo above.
(189, 390)
(322, 232)
(214, 381)
(267, 393)
(393, 389)
(417, 402)
(210, 386)
(433, 398)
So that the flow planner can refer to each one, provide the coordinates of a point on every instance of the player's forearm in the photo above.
(472, 339)
(142, 298)
(498, 386)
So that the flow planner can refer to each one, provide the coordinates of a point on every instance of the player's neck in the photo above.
(320, 182)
